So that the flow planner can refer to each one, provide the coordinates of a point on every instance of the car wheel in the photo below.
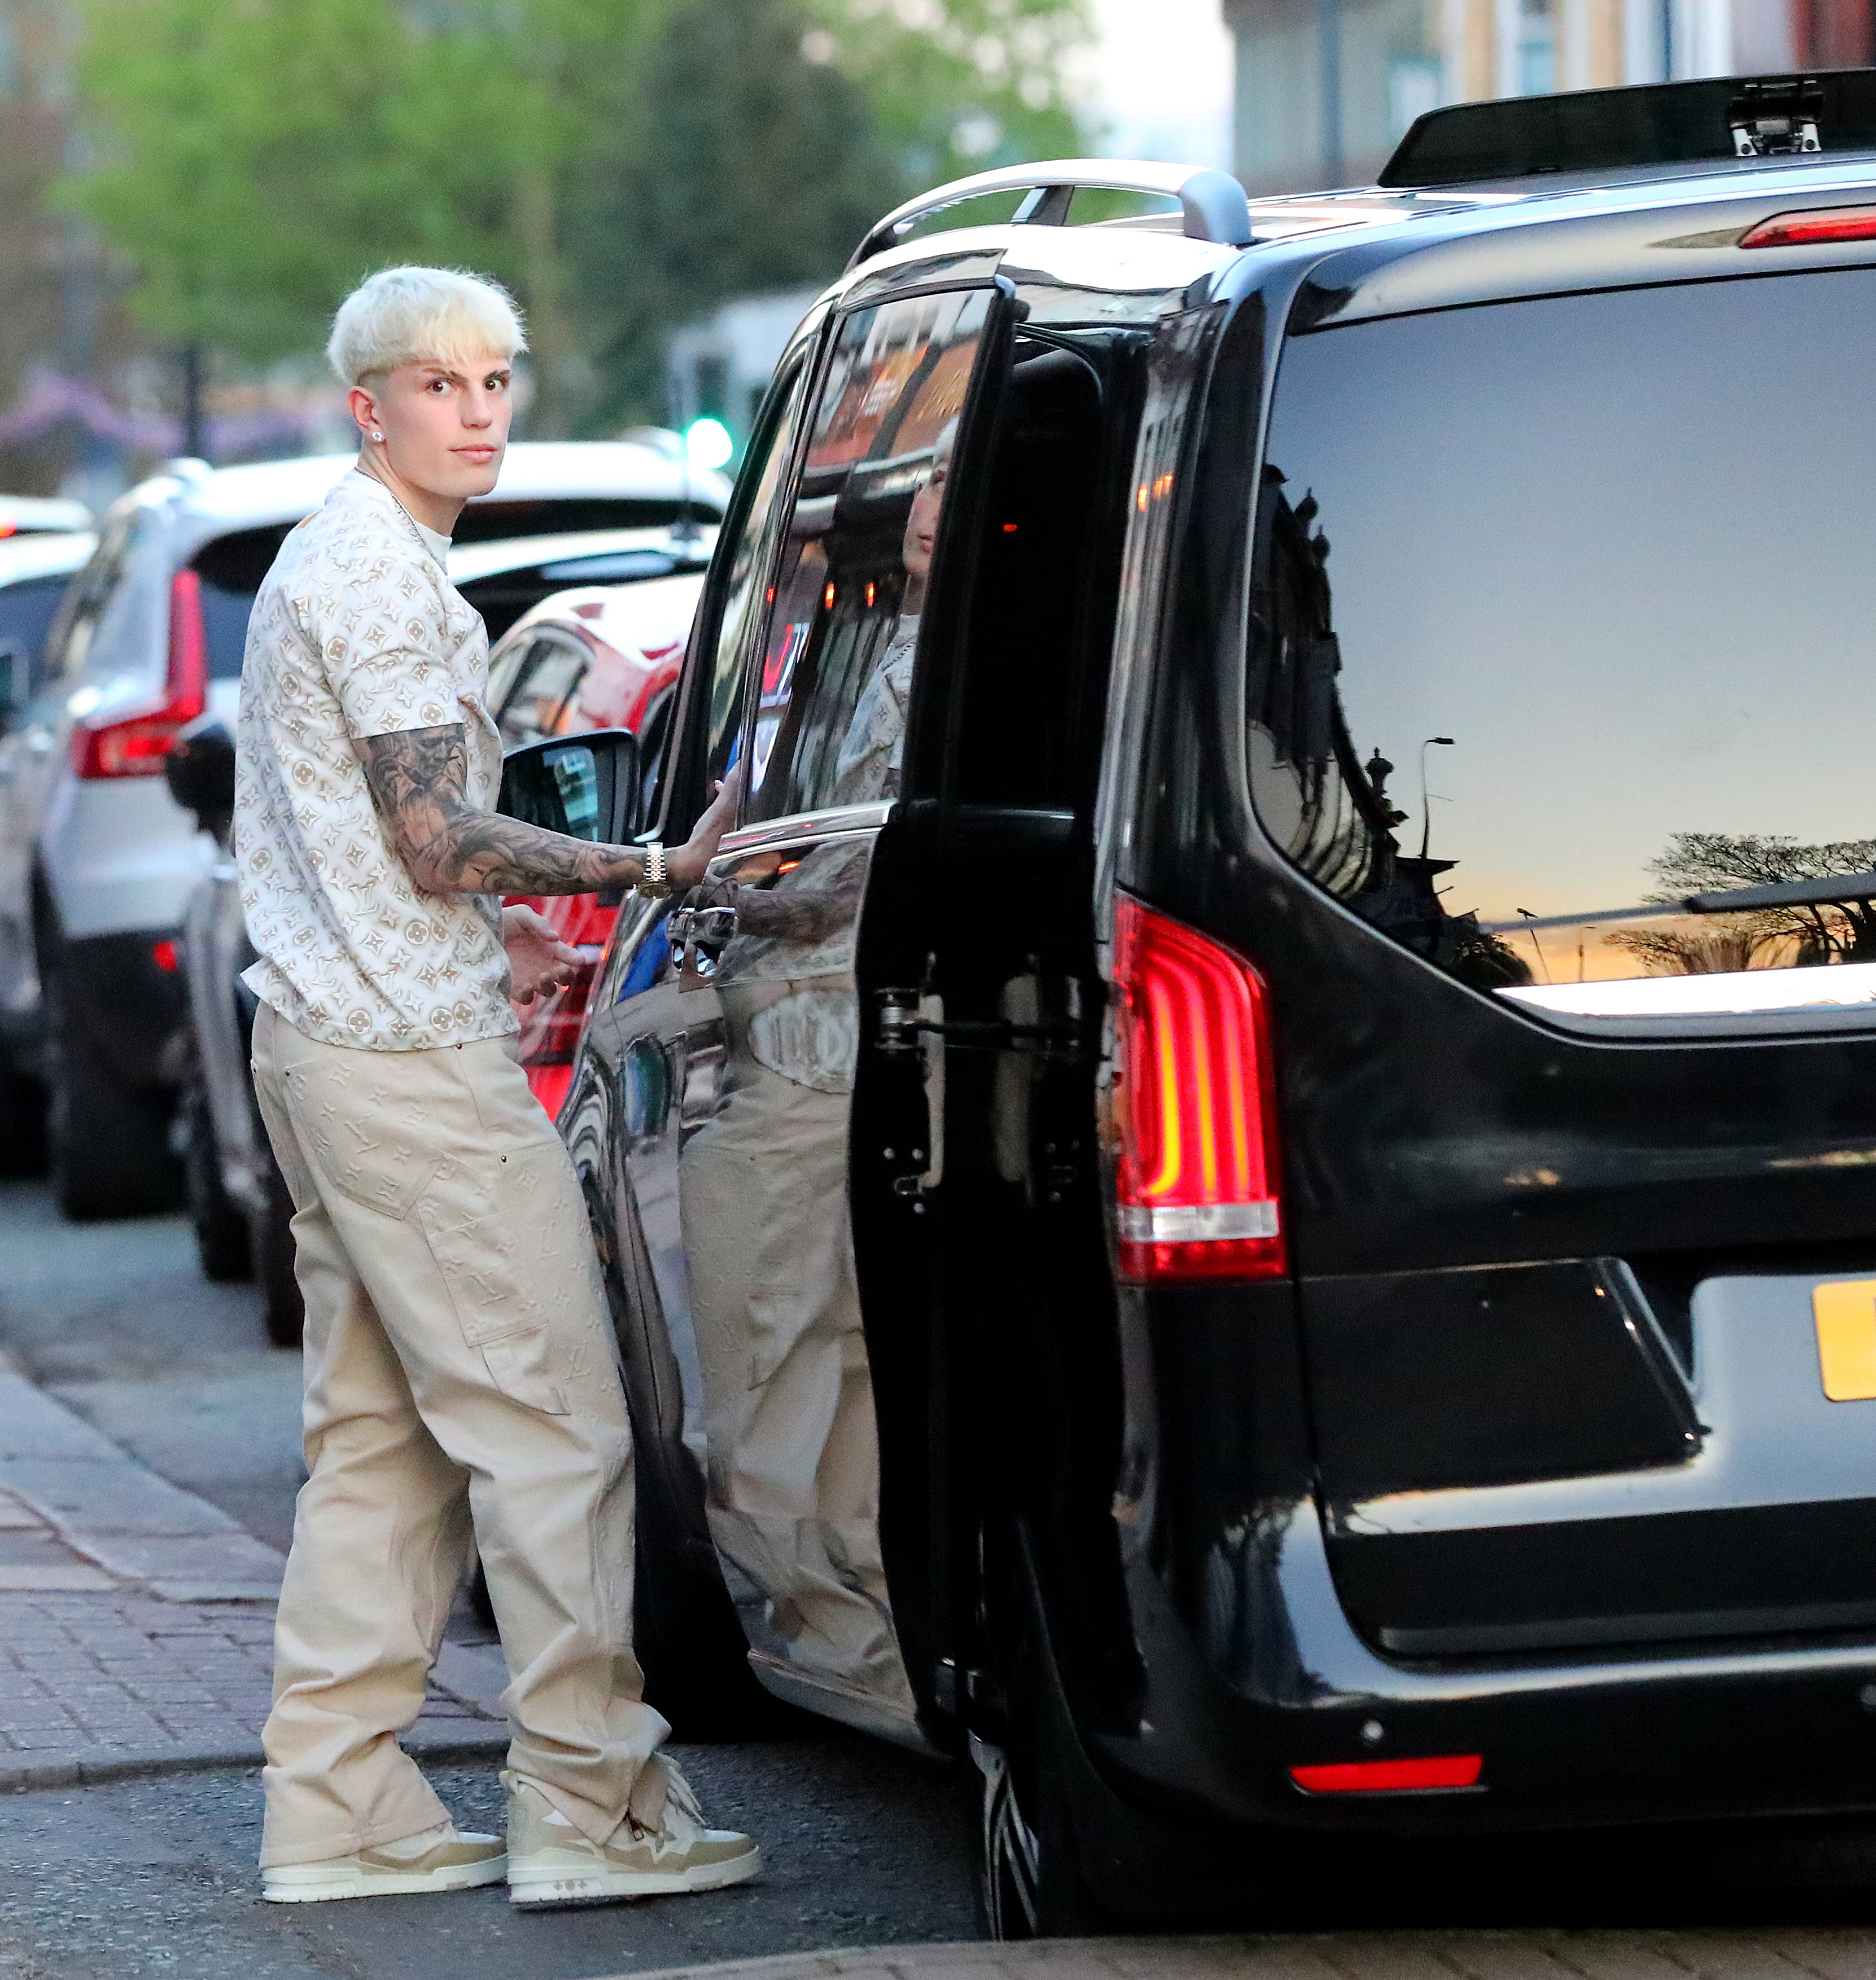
(22, 1124)
(220, 1225)
(108, 1143)
(270, 1240)
(1029, 1880)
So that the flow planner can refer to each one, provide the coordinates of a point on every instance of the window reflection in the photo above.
(1543, 549)
(850, 592)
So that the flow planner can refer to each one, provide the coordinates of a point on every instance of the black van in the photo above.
(1251, 1195)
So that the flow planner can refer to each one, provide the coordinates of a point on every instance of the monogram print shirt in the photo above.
(357, 631)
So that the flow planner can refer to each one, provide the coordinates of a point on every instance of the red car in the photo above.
(604, 656)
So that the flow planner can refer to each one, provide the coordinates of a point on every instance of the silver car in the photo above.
(96, 859)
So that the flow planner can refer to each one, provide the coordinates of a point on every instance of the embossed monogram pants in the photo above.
(460, 1374)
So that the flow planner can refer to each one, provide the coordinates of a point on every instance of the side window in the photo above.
(69, 644)
(738, 624)
(850, 588)
(26, 611)
(535, 703)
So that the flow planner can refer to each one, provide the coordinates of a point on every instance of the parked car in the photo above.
(36, 568)
(41, 515)
(99, 859)
(599, 655)
(598, 658)
(1265, 1312)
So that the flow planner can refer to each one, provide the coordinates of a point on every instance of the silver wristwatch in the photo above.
(656, 884)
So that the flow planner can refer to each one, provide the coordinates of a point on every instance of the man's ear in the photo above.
(363, 405)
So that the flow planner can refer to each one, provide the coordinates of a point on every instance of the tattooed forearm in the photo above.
(420, 780)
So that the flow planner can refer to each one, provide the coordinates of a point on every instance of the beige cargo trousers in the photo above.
(461, 1375)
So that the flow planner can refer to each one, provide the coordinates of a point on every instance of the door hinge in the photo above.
(898, 1027)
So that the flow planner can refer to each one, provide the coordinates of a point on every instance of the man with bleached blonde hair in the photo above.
(461, 1371)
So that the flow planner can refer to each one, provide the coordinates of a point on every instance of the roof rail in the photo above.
(1650, 124)
(1214, 204)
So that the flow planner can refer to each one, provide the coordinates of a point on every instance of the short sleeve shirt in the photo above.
(357, 631)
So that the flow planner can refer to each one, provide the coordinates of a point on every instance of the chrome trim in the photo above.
(775, 832)
(1197, 1223)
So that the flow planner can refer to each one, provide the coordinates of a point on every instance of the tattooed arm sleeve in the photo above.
(419, 780)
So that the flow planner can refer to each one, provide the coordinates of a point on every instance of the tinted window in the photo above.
(1563, 534)
(232, 569)
(26, 611)
(535, 703)
(750, 559)
(849, 590)
(484, 522)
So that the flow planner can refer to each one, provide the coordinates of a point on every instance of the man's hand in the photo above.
(538, 961)
(686, 863)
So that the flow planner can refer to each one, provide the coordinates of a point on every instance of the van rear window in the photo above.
(1563, 642)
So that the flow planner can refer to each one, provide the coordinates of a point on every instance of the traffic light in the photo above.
(708, 443)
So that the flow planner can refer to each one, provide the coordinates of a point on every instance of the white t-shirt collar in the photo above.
(437, 544)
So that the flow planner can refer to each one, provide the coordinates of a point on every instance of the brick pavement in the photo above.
(1776, 1952)
(137, 1622)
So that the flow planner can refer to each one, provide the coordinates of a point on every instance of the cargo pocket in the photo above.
(364, 1136)
(500, 1261)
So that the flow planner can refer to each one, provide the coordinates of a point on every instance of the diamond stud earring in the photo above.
(376, 434)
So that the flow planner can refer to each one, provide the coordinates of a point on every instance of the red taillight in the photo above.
(1442, 1770)
(165, 956)
(1802, 230)
(1197, 1178)
(135, 746)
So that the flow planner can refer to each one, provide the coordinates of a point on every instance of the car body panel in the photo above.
(1207, 1482)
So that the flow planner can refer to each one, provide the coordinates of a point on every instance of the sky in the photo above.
(1160, 76)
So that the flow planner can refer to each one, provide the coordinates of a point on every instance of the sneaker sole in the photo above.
(537, 1894)
(385, 1883)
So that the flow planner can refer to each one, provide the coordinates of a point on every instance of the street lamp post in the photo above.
(1426, 812)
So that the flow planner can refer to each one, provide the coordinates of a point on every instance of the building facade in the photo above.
(1326, 88)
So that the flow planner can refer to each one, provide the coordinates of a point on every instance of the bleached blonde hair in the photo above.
(405, 316)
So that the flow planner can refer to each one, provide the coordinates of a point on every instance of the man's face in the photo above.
(445, 425)
(922, 524)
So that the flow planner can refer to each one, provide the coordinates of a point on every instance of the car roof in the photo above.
(51, 556)
(468, 562)
(650, 616)
(33, 513)
(280, 491)
(1137, 256)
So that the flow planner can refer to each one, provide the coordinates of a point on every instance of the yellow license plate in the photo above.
(1845, 1313)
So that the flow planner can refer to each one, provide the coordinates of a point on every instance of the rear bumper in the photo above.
(1777, 1729)
(129, 1008)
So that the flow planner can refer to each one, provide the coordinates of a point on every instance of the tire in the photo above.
(1030, 1884)
(22, 1124)
(108, 1143)
(221, 1238)
(270, 1233)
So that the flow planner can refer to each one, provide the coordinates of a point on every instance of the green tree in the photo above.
(622, 164)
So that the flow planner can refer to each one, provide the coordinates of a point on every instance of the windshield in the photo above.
(1563, 612)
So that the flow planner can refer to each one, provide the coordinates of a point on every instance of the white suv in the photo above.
(96, 860)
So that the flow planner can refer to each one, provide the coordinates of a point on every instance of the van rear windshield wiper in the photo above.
(1730, 901)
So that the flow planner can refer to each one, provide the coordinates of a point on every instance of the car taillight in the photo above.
(1197, 1178)
(134, 746)
(1804, 230)
(1417, 1777)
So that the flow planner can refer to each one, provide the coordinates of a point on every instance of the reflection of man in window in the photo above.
(868, 767)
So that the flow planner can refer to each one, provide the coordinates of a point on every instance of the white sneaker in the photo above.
(551, 1862)
(444, 1859)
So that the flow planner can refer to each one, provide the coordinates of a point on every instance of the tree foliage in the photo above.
(1711, 863)
(622, 164)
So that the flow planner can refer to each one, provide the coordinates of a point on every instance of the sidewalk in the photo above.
(1772, 1953)
(136, 1620)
